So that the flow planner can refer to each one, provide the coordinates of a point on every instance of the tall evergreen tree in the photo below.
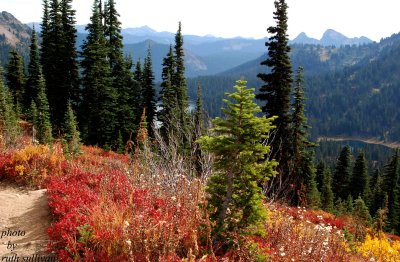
(309, 172)
(122, 77)
(359, 185)
(8, 118)
(59, 57)
(319, 176)
(168, 97)
(70, 54)
(303, 170)
(129, 101)
(179, 83)
(198, 131)
(15, 78)
(378, 195)
(45, 28)
(391, 186)
(34, 73)
(100, 97)
(149, 93)
(277, 88)
(112, 31)
(71, 133)
(43, 124)
(326, 192)
(237, 142)
(342, 175)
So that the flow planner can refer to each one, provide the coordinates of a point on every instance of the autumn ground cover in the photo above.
(145, 207)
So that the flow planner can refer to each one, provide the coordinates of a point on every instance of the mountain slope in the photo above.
(351, 91)
(13, 35)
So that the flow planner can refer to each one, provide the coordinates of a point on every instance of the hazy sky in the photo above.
(247, 18)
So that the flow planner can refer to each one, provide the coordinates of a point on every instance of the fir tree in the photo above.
(240, 164)
(342, 175)
(198, 130)
(299, 135)
(359, 185)
(112, 31)
(100, 97)
(70, 54)
(326, 192)
(34, 73)
(128, 100)
(59, 58)
(43, 124)
(168, 97)
(277, 88)
(362, 217)
(179, 83)
(149, 93)
(8, 119)
(392, 188)
(71, 133)
(378, 195)
(303, 167)
(319, 176)
(15, 78)
(349, 205)
(308, 170)
(122, 77)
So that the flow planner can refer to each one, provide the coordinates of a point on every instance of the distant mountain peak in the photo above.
(331, 38)
(302, 38)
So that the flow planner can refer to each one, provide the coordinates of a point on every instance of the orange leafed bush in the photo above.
(33, 163)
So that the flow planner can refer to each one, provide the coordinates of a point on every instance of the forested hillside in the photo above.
(351, 90)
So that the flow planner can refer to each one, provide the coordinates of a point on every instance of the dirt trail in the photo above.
(24, 219)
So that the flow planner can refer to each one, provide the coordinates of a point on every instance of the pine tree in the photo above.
(8, 120)
(319, 176)
(34, 73)
(277, 88)
(149, 93)
(308, 171)
(70, 55)
(15, 78)
(198, 131)
(326, 192)
(100, 97)
(128, 100)
(359, 185)
(43, 124)
(240, 164)
(71, 133)
(391, 186)
(349, 205)
(168, 97)
(45, 28)
(179, 83)
(303, 166)
(342, 175)
(362, 217)
(299, 128)
(122, 78)
(378, 195)
(112, 31)
(59, 58)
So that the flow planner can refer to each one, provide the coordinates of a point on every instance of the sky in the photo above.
(374, 19)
